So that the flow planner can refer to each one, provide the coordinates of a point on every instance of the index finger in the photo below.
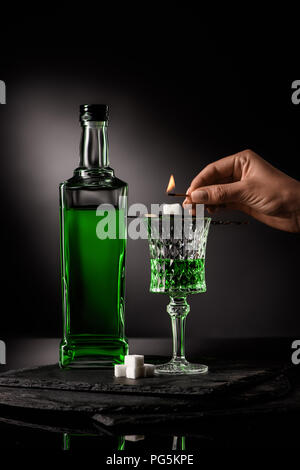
(214, 172)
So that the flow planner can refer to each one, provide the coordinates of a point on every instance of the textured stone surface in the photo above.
(88, 402)
(236, 388)
(220, 379)
(255, 401)
(262, 398)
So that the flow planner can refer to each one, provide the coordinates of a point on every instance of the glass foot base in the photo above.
(180, 368)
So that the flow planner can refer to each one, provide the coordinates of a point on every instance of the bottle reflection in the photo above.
(115, 443)
(78, 441)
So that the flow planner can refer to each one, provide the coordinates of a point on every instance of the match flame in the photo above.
(171, 184)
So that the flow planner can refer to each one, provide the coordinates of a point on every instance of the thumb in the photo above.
(218, 193)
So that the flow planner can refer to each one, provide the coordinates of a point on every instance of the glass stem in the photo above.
(178, 309)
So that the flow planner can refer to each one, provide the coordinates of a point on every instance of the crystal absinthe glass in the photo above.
(177, 252)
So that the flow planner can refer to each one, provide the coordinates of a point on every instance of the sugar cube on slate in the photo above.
(120, 370)
(134, 372)
(134, 360)
(134, 367)
(149, 370)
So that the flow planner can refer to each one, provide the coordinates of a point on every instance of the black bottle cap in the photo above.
(93, 112)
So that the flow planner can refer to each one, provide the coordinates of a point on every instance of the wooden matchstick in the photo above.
(177, 194)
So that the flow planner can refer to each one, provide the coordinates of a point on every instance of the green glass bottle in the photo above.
(93, 223)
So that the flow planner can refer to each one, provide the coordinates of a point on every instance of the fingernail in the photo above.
(188, 190)
(200, 195)
(185, 201)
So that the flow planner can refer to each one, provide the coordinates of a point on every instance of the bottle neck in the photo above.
(94, 149)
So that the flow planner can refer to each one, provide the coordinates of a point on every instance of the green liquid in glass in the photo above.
(93, 285)
(176, 276)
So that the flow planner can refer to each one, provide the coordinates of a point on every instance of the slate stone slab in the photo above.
(87, 402)
(21, 405)
(262, 398)
(219, 380)
(234, 389)
(58, 428)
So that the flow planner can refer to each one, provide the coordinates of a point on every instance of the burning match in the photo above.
(171, 186)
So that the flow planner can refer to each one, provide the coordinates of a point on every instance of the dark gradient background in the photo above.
(181, 95)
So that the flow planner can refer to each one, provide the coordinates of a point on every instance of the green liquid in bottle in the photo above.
(93, 281)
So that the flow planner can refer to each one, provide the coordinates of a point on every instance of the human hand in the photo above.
(248, 183)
